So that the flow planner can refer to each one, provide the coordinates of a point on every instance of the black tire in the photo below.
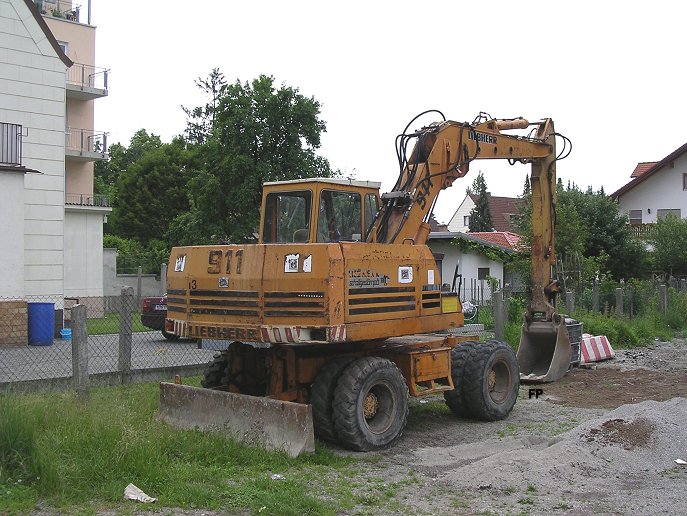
(170, 336)
(455, 399)
(322, 398)
(491, 380)
(215, 372)
(376, 386)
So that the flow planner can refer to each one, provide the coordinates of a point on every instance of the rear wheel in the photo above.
(455, 399)
(370, 404)
(322, 398)
(216, 371)
(491, 380)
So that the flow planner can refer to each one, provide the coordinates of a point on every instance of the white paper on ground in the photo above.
(131, 492)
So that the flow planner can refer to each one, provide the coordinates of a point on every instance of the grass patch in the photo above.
(626, 332)
(78, 457)
(110, 324)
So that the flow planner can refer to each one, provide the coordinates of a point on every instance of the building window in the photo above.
(466, 220)
(64, 46)
(664, 213)
(684, 181)
(482, 273)
(635, 217)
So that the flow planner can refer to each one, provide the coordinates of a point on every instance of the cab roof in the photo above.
(327, 180)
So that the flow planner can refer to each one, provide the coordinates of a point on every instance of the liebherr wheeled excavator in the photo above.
(338, 312)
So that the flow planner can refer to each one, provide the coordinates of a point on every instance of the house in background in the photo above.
(656, 189)
(501, 209)
(50, 221)
(474, 267)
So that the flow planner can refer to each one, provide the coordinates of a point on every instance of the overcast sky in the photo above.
(610, 74)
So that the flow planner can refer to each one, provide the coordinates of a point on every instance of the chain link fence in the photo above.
(38, 344)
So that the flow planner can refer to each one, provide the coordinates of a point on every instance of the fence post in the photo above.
(630, 301)
(663, 298)
(125, 332)
(80, 350)
(595, 297)
(139, 285)
(570, 302)
(499, 315)
(619, 301)
(163, 279)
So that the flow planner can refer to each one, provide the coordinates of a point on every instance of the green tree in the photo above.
(200, 120)
(480, 216)
(669, 240)
(120, 158)
(527, 188)
(589, 224)
(261, 133)
(608, 232)
(151, 192)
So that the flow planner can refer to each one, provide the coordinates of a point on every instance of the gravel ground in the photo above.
(603, 440)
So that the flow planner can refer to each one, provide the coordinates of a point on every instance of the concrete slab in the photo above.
(257, 421)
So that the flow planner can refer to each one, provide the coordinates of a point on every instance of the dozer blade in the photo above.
(544, 353)
(263, 422)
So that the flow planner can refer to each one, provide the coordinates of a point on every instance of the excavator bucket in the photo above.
(544, 353)
(257, 421)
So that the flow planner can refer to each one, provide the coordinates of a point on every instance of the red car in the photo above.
(154, 313)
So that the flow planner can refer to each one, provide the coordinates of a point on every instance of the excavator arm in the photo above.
(443, 153)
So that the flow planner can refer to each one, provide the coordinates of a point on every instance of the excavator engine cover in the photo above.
(544, 353)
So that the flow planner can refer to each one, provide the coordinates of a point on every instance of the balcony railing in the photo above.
(100, 201)
(643, 231)
(65, 9)
(87, 76)
(10, 144)
(86, 141)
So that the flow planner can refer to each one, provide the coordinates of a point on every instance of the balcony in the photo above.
(642, 231)
(86, 82)
(98, 201)
(86, 145)
(10, 144)
(63, 9)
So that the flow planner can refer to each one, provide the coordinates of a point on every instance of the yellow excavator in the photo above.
(337, 313)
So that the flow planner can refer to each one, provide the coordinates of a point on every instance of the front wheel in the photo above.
(170, 336)
(491, 380)
(370, 405)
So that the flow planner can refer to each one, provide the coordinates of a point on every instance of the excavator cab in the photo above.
(318, 211)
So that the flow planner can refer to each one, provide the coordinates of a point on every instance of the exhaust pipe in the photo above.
(544, 352)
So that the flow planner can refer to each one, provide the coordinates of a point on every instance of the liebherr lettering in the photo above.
(482, 137)
(217, 332)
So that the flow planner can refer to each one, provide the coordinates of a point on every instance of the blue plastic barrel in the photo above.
(41, 323)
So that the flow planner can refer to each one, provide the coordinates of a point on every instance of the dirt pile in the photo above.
(626, 434)
(622, 462)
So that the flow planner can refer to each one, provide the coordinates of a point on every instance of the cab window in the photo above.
(371, 209)
(287, 217)
(339, 216)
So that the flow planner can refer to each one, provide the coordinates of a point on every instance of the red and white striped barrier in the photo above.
(595, 349)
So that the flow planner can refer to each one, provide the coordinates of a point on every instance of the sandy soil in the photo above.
(603, 440)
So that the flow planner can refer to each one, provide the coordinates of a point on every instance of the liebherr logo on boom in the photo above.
(481, 137)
